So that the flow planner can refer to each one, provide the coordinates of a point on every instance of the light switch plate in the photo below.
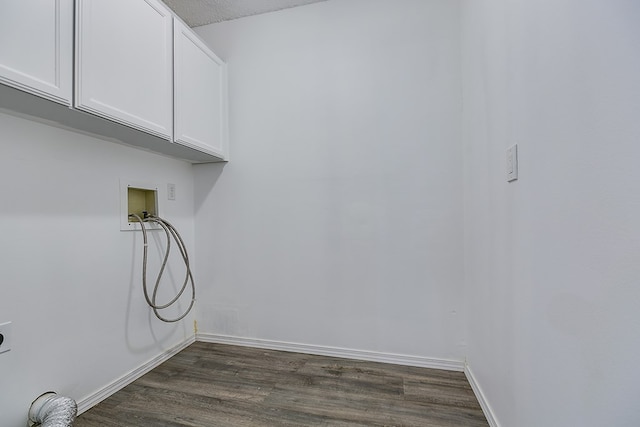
(512, 163)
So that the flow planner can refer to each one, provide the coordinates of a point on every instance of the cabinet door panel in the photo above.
(200, 94)
(36, 47)
(124, 63)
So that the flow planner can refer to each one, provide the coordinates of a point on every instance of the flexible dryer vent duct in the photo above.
(51, 410)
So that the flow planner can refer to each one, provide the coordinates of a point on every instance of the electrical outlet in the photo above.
(5, 337)
(171, 191)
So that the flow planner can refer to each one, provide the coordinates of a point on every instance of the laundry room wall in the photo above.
(552, 259)
(69, 278)
(337, 222)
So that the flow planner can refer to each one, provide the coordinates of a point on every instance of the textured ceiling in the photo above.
(202, 12)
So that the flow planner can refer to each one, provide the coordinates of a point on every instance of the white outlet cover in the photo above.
(5, 331)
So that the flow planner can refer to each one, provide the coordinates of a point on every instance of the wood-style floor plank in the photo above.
(221, 385)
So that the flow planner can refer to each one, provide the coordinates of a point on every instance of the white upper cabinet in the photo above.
(36, 47)
(200, 94)
(124, 63)
(126, 55)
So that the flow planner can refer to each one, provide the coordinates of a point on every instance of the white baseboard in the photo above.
(484, 404)
(371, 356)
(101, 394)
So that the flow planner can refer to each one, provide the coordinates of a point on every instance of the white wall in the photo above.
(553, 259)
(338, 220)
(69, 278)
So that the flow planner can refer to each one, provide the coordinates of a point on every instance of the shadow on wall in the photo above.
(206, 177)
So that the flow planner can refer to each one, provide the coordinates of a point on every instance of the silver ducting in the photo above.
(51, 410)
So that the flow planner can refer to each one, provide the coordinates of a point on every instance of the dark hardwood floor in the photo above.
(221, 385)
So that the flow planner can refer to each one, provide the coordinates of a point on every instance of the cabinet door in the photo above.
(124, 63)
(200, 84)
(36, 46)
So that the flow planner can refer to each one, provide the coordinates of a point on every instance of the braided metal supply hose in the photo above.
(170, 233)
